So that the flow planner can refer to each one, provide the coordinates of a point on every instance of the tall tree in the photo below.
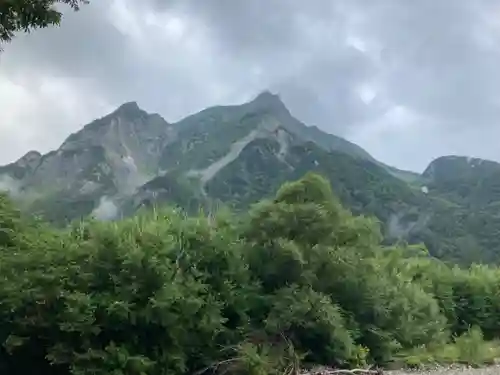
(24, 15)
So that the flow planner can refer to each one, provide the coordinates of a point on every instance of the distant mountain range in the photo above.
(237, 155)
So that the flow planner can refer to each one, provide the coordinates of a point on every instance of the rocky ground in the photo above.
(450, 370)
(493, 370)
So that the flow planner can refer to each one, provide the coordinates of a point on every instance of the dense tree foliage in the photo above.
(297, 280)
(24, 15)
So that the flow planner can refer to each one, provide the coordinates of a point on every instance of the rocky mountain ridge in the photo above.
(237, 155)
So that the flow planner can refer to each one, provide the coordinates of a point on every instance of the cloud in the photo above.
(106, 210)
(9, 185)
(408, 80)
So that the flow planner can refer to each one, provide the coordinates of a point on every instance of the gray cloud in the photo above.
(438, 66)
(408, 80)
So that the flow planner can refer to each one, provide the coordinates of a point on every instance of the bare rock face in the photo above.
(111, 157)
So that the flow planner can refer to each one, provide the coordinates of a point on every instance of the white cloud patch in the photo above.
(106, 210)
(39, 112)
(9, 185)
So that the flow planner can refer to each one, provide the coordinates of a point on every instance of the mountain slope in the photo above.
(110, 157)
(464, 180)
(237, 155)
(471, 186)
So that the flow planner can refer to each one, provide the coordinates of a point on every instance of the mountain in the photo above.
(471, 186)
(464, 180)
(109, 157)
(237, 155)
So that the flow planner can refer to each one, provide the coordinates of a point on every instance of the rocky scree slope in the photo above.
(237, 155)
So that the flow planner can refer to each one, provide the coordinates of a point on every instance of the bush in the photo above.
(470, 348)
(296, 279)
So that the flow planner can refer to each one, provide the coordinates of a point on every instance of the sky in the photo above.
(407, 80)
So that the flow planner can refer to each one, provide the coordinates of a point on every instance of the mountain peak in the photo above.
(467, 161)
(30, 158)
(128, 108)
(268, 101)
(455, 167)
(31, 155)
(267, 95)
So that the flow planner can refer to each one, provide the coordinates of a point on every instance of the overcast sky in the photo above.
(408, 80)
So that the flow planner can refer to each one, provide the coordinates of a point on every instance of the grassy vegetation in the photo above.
(470, 348)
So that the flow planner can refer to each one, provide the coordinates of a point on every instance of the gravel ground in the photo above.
(493, 370)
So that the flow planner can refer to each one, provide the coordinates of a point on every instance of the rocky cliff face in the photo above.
(109, 158)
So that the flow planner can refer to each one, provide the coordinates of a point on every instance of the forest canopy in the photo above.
(296, 281)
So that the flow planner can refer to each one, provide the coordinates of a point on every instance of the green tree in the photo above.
(298, 278)
(24, 15)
